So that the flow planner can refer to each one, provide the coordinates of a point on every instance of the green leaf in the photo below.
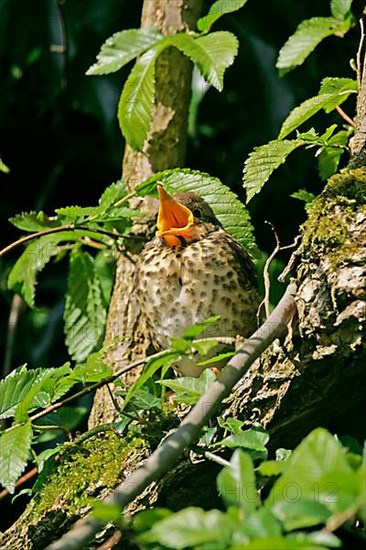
(325, 100)
(113, 193)
(282, 543)
(253, 440)
(33, 221)
(305, 39)
(43, 389)
(269, 468)
(23, 390)
(190, 528)
(304, 196)
(329, 157)
(22, 278)
(93, 370)
(216, 358)
(85, 313)
(15, 445)
(137, 98)
(340, 8)
(188, 389)
(226, 206)
(196, 330)
(3, 167)
(104, 267)
(151, 367)
(121, 48)
(212, 54)
(236, 483)
(144, 400)
(261, 523)
(14, 388)
(106, 512)
(337, 85)
(315, 472)
(217, 10)
(142, 521)
(300, 514)
(264, 160)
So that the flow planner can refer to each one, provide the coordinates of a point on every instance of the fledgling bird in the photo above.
(192, 270)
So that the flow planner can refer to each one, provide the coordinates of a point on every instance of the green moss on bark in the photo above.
(332, 217)
(84, 472)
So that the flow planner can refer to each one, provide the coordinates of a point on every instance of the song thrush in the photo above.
(192, 270)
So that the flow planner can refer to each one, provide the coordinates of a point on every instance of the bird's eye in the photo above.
(197, 212)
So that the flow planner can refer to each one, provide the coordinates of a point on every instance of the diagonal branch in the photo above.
(170, 449)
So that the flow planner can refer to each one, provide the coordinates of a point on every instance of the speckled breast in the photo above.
(180, 286)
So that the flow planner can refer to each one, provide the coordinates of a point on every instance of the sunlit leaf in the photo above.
(121, 48)
(340, 8)
(33, 221)
(23, 276)
(263, 161)
(188, 389)
(137, 98)
(305, 39)
(14, 452)
(212, 53)
(217, 10)
(333, 92)
(236, 482)
(191, 528)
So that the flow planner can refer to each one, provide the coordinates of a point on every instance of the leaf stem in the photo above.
(345, 117)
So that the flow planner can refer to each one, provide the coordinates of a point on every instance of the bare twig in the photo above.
(170, 449)
(20, 482)
(266, 279)
(359, 54)
(69, 227)
(345, 117)
(217, 459)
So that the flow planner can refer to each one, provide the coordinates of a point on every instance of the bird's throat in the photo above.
(175, 221)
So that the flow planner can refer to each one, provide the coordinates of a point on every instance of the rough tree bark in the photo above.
(165, 148)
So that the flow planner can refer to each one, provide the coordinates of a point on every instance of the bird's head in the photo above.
(184, 218)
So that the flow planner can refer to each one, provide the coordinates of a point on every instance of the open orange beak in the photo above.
(174, 219)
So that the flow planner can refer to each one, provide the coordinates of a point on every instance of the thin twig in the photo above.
(345, 117)
(266, 279)
(172, 446)
(124, 199)
(33, 236)
(359, 54)
(20, 481)
(44, 427)
(217, 459)
(69, 227)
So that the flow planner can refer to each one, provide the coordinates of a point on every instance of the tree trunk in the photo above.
(165, 148)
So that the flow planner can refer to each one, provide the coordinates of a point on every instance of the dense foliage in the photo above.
(329, 483)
